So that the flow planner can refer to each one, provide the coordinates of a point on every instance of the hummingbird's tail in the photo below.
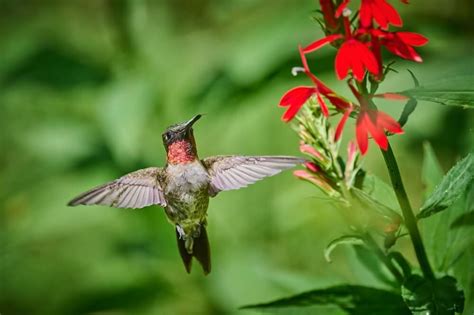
(201, 251)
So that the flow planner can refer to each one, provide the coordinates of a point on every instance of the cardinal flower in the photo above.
(379, 10)
(402, 43)
(295, 98)
(374, 122)
(353, 54)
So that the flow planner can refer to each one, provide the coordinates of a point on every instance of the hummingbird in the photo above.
(184, 186)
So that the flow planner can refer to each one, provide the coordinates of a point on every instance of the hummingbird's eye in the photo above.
(167, 136)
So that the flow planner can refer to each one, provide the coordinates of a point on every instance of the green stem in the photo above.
(410, 220)
(383, 258)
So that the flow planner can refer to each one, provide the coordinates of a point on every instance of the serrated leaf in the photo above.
(456, 91)
(346, 240)
(443, 244)
(441, 296)
(354, 299)
(453, 185)
(467, 218)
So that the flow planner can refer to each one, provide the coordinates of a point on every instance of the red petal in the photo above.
(389, 123)
(358, 69)
(299, 94)
(338, 101)
(303, 59)
(341, 8)
(340, 125)
(399, 48)
(376, 129)
(392, 96)
(379, 16)
(343, 60)
(295, 98)
(365, 13)
(362, 58)
(361, 133)
(320, 43)
(387, 11)
(412, 39)
(320, 85)
(322, 104)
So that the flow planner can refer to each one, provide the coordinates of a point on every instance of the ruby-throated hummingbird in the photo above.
(183, 187)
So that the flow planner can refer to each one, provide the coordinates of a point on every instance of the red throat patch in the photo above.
(180, 152)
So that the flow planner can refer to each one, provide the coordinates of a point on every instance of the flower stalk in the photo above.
(410, 220)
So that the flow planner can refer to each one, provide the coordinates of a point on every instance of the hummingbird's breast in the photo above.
(186, 192)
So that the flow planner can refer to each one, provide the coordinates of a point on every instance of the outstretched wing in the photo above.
(234, 172)
(134, 190)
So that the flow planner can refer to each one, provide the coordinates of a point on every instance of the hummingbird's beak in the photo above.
(191, 122)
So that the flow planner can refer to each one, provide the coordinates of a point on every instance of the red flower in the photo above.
(370, 120)
(353, 54)
(401, 43)
(342, 122)
(374, 122)
(379, 10)
(356, 56)
(296, 97)
(321, 42)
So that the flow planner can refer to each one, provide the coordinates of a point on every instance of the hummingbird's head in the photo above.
(179, 142)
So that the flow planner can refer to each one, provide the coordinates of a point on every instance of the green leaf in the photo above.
(345, 239)
(441, 296)
(400, 260)
(431, 172)
(455, 91)
(409, 108)
(373, 264)
(414, 78)
(453, 185)
(376, 205)
(380, 190)
(354, 299)
(443, 244)
(466, 219)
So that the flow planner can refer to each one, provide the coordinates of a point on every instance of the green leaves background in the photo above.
(86, 89)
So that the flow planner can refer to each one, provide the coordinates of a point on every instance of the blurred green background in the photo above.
(86, 89)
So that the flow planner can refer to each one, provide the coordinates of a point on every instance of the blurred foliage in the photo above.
(87, 87)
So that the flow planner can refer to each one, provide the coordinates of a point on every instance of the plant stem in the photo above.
(384, 258)
(410, 220)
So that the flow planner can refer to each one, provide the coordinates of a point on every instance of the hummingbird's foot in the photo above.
(180, 232)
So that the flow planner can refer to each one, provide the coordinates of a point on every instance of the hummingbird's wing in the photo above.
(234, 172)
(134, 190)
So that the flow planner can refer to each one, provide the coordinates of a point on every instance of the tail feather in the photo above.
(201, 251)
(185, 256)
